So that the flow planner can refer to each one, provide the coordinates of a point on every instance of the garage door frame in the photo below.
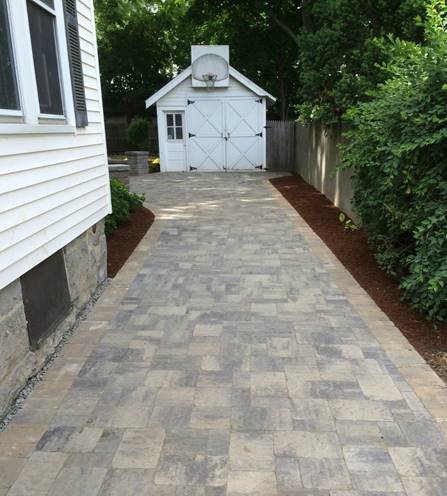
(203, 150)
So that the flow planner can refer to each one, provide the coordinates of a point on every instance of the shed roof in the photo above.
(187, 72)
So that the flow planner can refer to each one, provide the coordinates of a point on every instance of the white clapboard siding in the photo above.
(54, 186)
(81, 186)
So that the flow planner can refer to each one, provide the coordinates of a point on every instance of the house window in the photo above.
(42, 20)
(9, 97)
(175, 126)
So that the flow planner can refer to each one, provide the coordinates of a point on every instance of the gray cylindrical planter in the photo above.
(138, 164)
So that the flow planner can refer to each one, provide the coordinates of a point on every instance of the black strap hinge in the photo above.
(259, 134)
(259, 100)
(258, 167)
(190, 135)
(192, 168)
(188, 102)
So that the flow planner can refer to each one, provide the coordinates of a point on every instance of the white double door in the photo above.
(225, 134)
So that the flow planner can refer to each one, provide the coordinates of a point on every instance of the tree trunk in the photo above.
(305, 9)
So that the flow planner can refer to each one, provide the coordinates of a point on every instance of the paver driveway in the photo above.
(232, 356)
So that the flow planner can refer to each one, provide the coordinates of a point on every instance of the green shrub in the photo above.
(123, 203)
(397, 149)
(138, 132)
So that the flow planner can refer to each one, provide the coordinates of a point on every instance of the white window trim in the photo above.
(45, 6)
(15, 112)
(174, 112)
(13, 129)
(25, 74)
(10, 113)
(55, 117)
(64, 65)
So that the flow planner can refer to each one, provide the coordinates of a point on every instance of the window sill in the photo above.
(52, 117)
(10, 113)
(36, 129)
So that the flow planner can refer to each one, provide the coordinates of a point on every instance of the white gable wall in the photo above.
(179, 95)
(53, 179)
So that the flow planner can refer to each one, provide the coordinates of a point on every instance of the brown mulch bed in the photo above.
(125, 239)
(351, 248)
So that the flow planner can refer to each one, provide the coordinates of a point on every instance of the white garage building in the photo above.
(211, 117)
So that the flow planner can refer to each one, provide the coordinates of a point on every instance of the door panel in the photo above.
(206, 149)
(175, 141)
(205, 117)
(244, 153)
(243, 117)
(206, 153)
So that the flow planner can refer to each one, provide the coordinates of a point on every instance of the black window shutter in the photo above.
(74, 53)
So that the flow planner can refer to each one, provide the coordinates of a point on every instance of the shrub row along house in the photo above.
(54, 191)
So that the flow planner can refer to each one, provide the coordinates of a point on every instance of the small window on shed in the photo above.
(174, 124)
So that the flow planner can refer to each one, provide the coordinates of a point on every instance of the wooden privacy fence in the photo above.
(281, 145)
(312, 152)
(116, 135)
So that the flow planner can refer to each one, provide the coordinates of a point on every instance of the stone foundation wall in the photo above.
(86, 268)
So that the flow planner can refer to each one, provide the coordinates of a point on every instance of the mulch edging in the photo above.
(351, 248)
(125, 239)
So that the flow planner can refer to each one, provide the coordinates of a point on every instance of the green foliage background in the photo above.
(318, 57)
(339, 51)
(397, 151)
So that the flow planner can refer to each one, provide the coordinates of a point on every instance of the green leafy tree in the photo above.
(142, 44)
(339, 52)
(318, 57)
(136, 50)
(263, 40)
(397, 151)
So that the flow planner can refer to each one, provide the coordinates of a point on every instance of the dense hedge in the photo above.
(397, 149)
(123, 203)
